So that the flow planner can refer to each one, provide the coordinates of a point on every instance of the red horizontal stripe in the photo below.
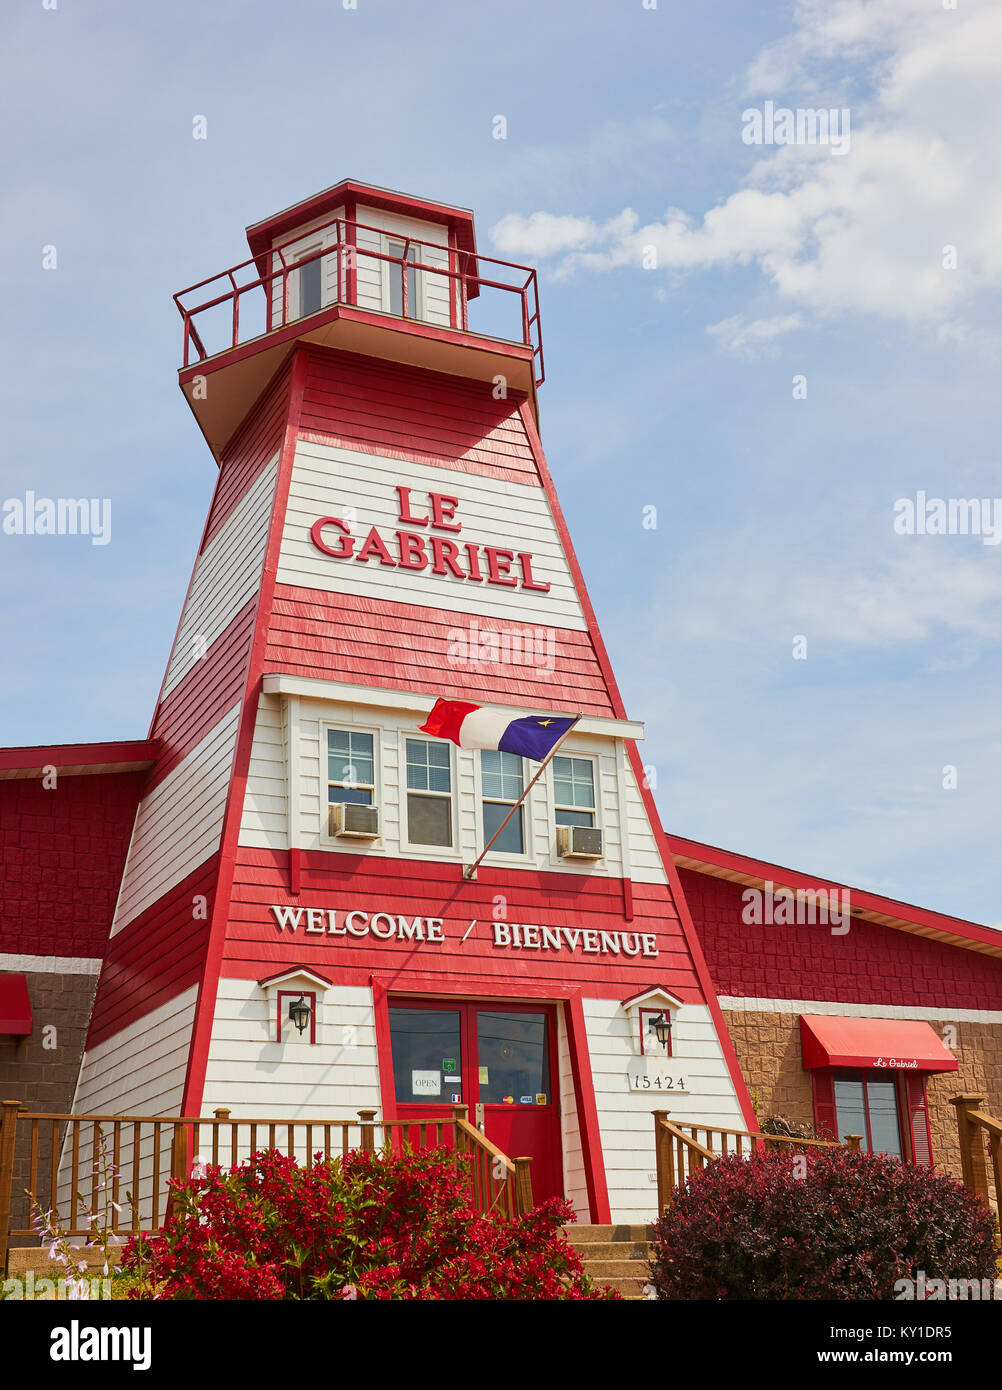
(416, 887)
(257, 441)
(412, 413)
(210, 688)
(157, 956)
(381, 643)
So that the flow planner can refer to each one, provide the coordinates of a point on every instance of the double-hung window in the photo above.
(574, 791)
(429, 793)
(502, 783)
(351, 767)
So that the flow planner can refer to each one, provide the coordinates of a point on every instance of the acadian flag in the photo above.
(476, 726)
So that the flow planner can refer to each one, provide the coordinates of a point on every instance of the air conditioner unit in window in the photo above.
(579, 842)
(352, 821)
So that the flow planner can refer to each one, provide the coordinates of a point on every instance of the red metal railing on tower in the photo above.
(242, 304)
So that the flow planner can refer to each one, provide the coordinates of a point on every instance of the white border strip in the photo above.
(52, 965)
(903, 1011)
(380, 697)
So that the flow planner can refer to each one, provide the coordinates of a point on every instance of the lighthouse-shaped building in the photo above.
(384, 533)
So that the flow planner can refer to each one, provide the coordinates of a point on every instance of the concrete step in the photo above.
(631, 1289)
(617, 1269)
(581, 1235)
(612, 1249)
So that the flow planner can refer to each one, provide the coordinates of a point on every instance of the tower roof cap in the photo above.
(262, 235)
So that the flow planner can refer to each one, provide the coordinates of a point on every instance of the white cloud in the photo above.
(863, 232)
(739, 338)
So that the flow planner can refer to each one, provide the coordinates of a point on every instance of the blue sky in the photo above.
(668, 387)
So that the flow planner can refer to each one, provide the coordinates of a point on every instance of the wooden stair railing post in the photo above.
(8, 1136)
(664, 1190)
(972, 1146)
(853, 1141)
(523, 1186)
(461, 1143)
(178, 1162)
(367, 1125)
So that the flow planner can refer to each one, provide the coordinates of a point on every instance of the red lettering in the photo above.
(445, 555)
(404, 514)
(527, 581)
(473, 560)
(443, 509)
(375, 545)
(412, 551)
(498, 565)
(347, 544)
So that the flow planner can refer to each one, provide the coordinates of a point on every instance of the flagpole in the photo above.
(470, 870)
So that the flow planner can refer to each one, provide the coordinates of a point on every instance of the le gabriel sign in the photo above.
(341, 924)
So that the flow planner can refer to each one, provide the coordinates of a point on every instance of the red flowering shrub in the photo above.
(390, 1226)
(845, 1226)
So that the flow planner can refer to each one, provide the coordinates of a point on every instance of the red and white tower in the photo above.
(384, 532)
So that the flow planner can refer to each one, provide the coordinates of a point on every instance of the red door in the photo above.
(498, 1059)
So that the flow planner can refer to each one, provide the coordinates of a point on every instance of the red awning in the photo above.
(15, 1007)
(894, 1043)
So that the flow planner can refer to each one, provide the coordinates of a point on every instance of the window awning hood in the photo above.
(873, 1043)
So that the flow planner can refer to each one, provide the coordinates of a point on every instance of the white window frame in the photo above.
(391, 269)
(452, 851)
(332, 841)
(596, 785)
(495, 856)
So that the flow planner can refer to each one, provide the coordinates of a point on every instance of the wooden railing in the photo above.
(679, 1151)
(975, 1126)
(228, 309)
(498, 1182)
(121, 1164)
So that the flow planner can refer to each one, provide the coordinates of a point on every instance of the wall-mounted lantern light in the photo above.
(299, 1012)
(660, 1025)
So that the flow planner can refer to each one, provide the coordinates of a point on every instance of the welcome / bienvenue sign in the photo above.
(333, 923)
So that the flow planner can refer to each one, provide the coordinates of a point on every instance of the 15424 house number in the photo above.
(642, 1079)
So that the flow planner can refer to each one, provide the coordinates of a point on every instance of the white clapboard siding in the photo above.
(138, 1071)
(575, 1181)
(327, 480)
(624, 1116)
(374, 275)
(252, 1075)
(264, 823)
(227, 575)
(646, 865)
(178, 824)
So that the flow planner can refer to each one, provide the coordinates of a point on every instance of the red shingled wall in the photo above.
(62, 851)
(871, 964)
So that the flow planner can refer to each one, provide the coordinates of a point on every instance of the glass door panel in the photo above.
(513, 1059)
(427, 1056)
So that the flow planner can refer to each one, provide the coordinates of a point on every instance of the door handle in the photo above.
(479, 1116)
